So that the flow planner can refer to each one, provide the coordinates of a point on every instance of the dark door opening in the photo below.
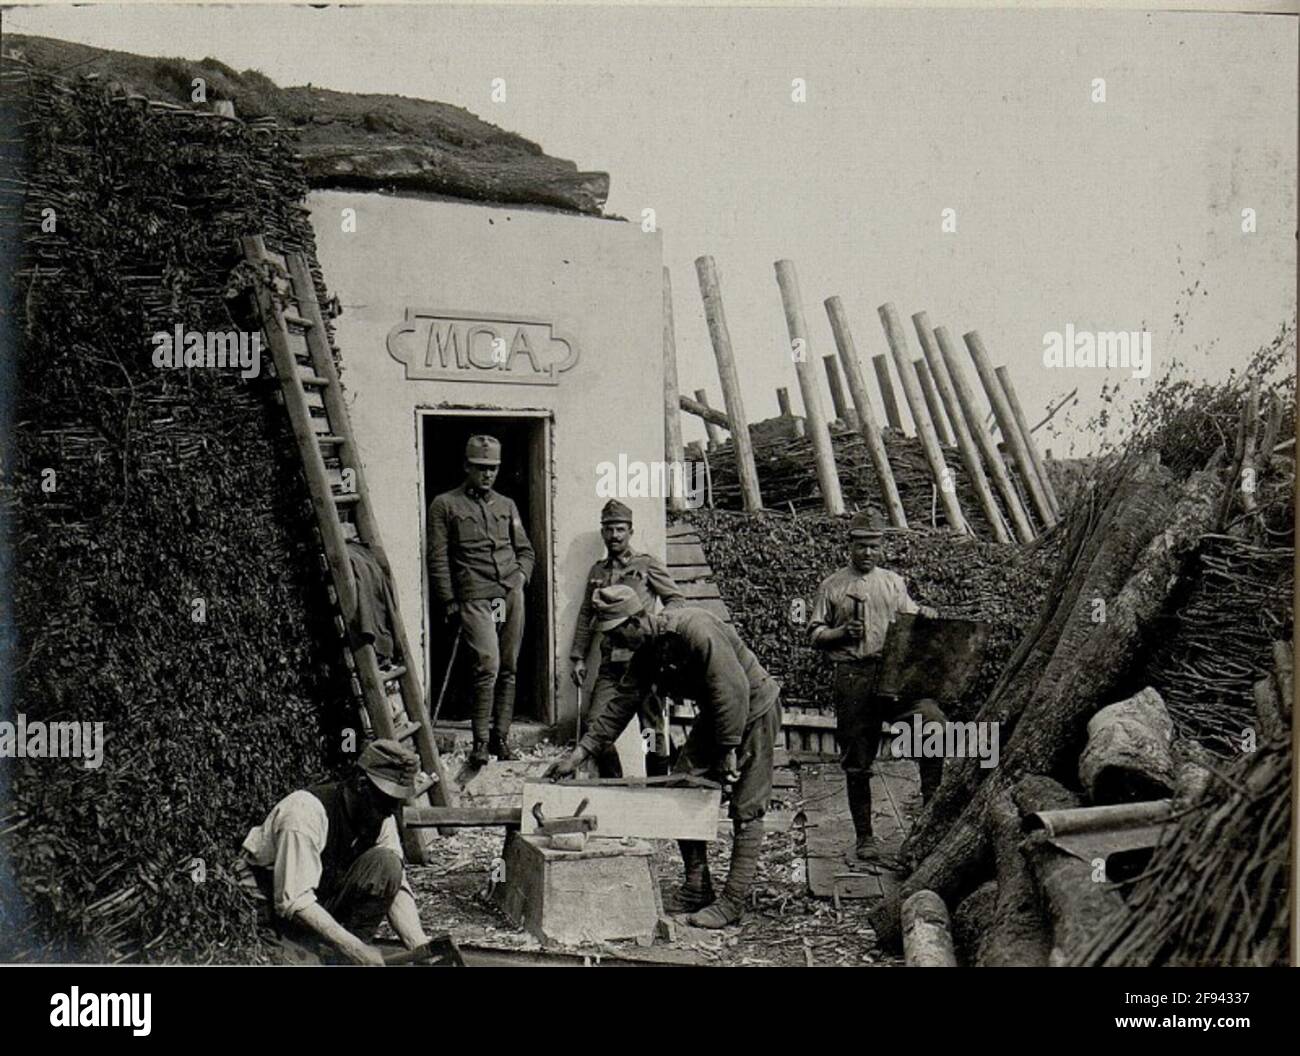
(525, 478)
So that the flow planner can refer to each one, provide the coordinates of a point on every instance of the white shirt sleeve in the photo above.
(295, 832)
(905, 603)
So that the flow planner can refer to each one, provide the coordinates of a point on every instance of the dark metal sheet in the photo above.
(930, 658)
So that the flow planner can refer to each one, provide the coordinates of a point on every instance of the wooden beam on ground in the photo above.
(1018, 414)
(880, 364)
(828, 478)
(712, 419)
(1007, 424)
(868, 425)
(988, 449)
(965, 444)
(932, 404)
(943, 477)
(673, 453)
(720, 336)
(843, 411)
(648, 812)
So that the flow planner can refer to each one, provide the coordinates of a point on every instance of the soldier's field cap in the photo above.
(483, 450)
(391, 766)
(867, 525)
(614, 605)
(615, 512)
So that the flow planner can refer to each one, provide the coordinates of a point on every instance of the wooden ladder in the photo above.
(309, 382)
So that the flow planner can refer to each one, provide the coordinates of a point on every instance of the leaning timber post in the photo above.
(746, 471)
(896, 336)
(843, 411)
(1007, 424)
(992, 456)
(783, 402)
(965, 445)
(932, 404)
(828, 478)
(1018, 414)
(710, 429)
(672, 411)
(881, 366)
(868, 424)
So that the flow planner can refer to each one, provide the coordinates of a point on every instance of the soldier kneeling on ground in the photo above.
(326, 866)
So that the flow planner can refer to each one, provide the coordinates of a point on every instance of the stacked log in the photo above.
(1127, 552)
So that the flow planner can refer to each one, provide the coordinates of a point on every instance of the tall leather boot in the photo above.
(858, 788)
(480, 724)
(503, 709)
(696, 891)
(740, 877)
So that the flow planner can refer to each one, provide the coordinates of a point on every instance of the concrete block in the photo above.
(607, 891)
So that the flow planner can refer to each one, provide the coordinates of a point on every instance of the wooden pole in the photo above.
(711, 417)
(881, 366)
(783, 402)
(710, 424)
(721, 338)
(943, 478)
(1018, 414)
(672, 409)
(1007, 423)
(970, 455)
(843, 411)
(868, 425)
(932, 404)
(828, 478)
(987, 448)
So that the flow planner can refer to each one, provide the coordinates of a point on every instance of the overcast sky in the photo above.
(1096, 214)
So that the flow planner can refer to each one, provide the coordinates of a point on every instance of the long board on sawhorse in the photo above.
(651, 808)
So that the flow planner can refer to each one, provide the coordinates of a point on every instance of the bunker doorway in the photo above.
(525, 477)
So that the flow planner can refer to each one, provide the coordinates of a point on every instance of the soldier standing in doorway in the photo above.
(851, 615)
(480, 560)
(650, 579)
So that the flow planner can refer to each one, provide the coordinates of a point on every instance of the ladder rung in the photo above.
(329, 438)
(313, 382)
(392, 674)
(293, 319)
(407, 729)
(347, 498)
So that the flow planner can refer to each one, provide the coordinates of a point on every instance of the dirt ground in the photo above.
(785, 925)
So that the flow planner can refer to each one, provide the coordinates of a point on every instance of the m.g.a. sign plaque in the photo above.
(459, 346)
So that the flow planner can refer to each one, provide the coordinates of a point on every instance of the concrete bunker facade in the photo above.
(542, 328)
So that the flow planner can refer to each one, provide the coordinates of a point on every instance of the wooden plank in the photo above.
(461, 817)
(686, 554)
(698, 588)
(651, 812)
(687, 573)
(684, 532)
